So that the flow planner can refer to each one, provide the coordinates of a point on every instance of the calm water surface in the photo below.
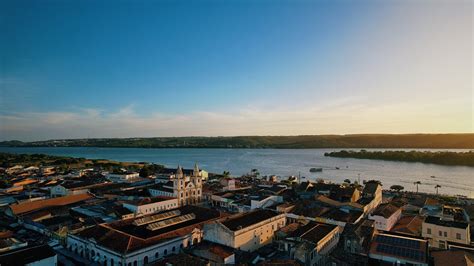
(284, 162)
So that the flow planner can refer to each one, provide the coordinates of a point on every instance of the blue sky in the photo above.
(72, 69)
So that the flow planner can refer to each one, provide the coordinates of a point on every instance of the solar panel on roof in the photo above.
(172, 221)
(401, 252)
(156, 217)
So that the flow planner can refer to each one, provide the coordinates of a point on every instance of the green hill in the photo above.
(452, 141)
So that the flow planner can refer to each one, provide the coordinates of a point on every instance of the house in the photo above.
(124, 177)
(409, 225)
(309, 243)
(371, 196)
(440, 231)
(216, 254)
(385, 216)
(142, 240)
(69, 188)
(356, 237)
(151, 205)
(42, 255)
(227, 184)
(246, 231)
(398, 250)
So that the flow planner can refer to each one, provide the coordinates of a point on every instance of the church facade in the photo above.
(187, 189)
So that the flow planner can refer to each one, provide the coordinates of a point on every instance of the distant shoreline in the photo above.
(440, 158)
(356, 141)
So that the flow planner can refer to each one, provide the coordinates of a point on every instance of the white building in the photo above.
(151, 205)
(187, 189)
(385, 216)
(247, 231)
(123, 177)
(140, 241)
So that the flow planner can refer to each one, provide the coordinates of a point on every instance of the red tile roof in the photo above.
(26, 207)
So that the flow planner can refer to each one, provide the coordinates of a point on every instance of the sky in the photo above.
(92, 69)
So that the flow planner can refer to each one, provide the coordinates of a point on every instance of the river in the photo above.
(454, 180)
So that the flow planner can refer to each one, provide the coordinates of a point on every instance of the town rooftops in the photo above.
(26, 207)
(163, 187)
(440, 222)
(240, 221)
(313, 231)
(26, 255)
(385, 210)
(370, 187)
(149, 200)
(409, 225)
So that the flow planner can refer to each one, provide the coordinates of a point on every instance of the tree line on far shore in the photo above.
(438, 157)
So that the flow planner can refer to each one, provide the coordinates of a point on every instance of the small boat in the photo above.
(313, 170)
(433, 176)
(337, 168)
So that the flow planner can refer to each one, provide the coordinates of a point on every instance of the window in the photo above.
(445, 234)
(440, 233)
(428, 231)
(458, 236)
(157, 254)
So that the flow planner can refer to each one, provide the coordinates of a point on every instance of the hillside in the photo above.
(453, 141)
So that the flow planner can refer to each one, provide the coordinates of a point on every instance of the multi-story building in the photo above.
(123, 177)
(440, 231)
(151, 205)
(140, 241)
(385, 216)
(187, 189)
(247, 231)
(309, 243)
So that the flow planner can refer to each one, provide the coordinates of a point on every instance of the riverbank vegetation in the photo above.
(440, 157)
(12, 159)
(452, 141)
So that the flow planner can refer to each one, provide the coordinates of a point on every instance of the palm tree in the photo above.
(437, 186)
(416, 184)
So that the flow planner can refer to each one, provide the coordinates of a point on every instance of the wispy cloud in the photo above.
(338, 117)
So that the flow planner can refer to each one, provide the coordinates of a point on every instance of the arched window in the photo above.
(157, 254)
(105, 260)
(165, 252)
(173, 249)
(135, 263)
(145, 260)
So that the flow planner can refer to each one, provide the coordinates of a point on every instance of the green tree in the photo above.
(417, 183)
(397, 188)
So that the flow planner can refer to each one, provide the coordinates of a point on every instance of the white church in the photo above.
(187, 189)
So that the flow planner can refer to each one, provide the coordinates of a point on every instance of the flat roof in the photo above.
(313, 231)
(239, 221)
(438, 221)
